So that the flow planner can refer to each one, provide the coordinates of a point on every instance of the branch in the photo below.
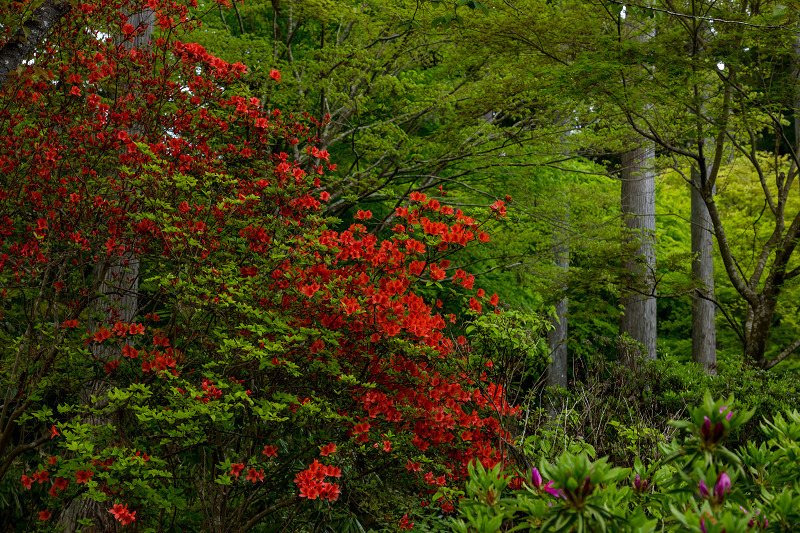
(12, 455)
(29, 36)
(269, 510)
(699, 17)
(731, 321)
(783, 355)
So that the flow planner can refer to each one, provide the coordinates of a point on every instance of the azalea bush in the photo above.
(187, 344)
(698, 485)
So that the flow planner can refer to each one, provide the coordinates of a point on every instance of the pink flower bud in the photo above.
(723, 485)
(706, 429)
(536, 477)
(703, 489)
(719, 429)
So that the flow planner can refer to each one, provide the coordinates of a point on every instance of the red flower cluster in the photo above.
(236, 469)
(150, 159)
(405, 524)
(122, 514)
(83, 476)
(254, 475)
(210, 392)
(311, 484)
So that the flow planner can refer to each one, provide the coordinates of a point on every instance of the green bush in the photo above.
(700, 484)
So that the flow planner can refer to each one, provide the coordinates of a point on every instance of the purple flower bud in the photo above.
(536, 477)
(703, 489)
(722, 409)
(587, 486)
(703, 523)
(719, 429)
(706, 429)
(723, 485)
(637, 482)
(729, 415)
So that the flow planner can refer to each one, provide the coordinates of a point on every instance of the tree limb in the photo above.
(783, 355)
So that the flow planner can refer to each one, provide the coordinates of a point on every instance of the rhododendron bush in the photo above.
(186, 342)
(698, 485)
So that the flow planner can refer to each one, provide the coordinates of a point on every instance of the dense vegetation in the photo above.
(307, 265)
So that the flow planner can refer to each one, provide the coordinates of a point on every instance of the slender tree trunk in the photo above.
(638, 203)
(557, 336)
(704, 333)
(796, 99)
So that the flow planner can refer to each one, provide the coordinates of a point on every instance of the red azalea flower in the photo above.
(328, 449)
(254, 475)
(83, 476)
(237, 469)
(122, 513)
(270, 451)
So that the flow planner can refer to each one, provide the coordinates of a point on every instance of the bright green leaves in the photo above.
(484, 510)
(579, 503)
(710, 423)
(697, 487)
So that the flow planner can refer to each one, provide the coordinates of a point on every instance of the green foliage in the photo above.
(699, 485)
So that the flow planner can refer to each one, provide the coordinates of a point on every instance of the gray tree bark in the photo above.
(116, 286)
(29, 36)
(557, 336)
(704, 333)
(638, 204)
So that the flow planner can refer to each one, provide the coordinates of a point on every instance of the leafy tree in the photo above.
(276, 371)
(711, 71)
(403, 104)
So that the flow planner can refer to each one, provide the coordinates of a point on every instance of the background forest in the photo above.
(542, 105)
(325, 265)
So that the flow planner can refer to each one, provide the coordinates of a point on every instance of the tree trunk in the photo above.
(116, 284)
(638, 204)
(22, 45)
(756, 330)
(704, 333)
(557, 337)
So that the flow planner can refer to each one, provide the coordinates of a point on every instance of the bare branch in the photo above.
(783, 355)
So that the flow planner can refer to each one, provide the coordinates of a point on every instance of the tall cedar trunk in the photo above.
(704, 333)
(557, 337)
(116, 284)
(638, 204)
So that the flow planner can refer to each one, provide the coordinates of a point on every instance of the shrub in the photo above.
(699, 485)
